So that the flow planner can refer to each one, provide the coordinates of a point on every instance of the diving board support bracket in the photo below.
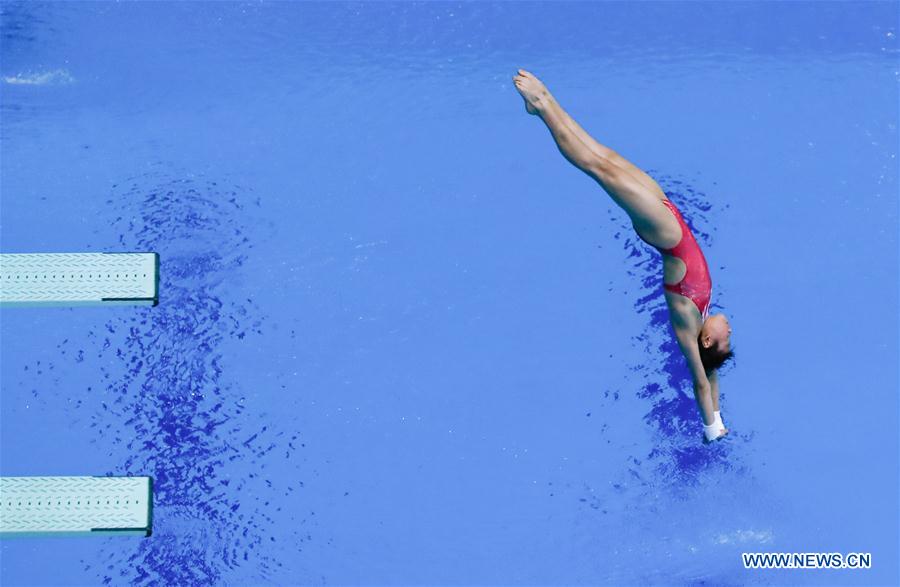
(75, 505)
(76, 279)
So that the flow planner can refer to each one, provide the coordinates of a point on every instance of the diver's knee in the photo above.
(603, 169)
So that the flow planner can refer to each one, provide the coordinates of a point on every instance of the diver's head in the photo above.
(715, 342)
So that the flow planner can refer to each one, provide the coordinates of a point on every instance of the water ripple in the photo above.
(176, 412)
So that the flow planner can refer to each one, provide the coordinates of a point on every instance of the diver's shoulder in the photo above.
(683, 314)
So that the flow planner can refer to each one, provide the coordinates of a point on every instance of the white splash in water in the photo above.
(745, 536)
(55, 77)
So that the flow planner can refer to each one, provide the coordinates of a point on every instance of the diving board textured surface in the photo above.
(79, 278)
(75, 505)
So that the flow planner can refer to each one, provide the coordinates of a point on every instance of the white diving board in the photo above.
(75, 505)
(74, 279)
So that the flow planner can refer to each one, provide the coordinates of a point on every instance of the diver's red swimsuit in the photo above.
(696, 283)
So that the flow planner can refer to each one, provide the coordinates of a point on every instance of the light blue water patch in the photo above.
(400, 340)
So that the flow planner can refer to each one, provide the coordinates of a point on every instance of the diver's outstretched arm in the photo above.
(713, 378)
(702, 386)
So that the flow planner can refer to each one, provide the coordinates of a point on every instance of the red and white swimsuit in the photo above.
(696, 283)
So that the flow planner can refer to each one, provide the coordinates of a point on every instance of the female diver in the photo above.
(704, 339)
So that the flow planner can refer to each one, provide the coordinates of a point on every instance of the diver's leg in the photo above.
(642, 204)
(605, 152)
(639, 174)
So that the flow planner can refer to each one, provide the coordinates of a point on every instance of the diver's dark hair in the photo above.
(712, 358)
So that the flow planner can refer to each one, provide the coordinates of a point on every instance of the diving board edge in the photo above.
(145, 530)
(154, 300)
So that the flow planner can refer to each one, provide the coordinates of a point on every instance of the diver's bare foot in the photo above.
(533, 91)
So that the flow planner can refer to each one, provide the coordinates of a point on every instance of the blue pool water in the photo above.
(400, 340)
